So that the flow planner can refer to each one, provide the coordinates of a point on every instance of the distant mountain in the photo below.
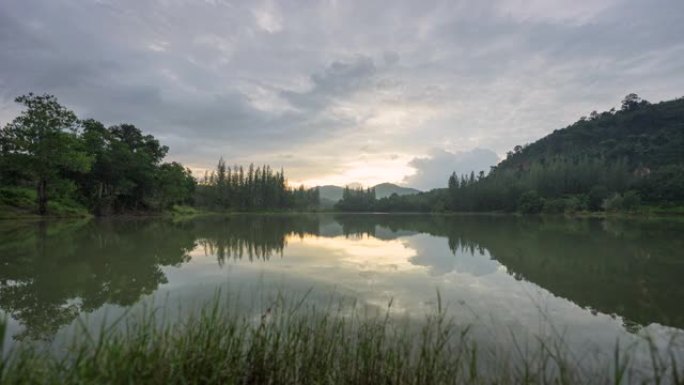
(331, 194)
(384, 190)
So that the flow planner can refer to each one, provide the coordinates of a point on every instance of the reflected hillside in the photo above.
(52, 272)
(632, 269)
(625, 267)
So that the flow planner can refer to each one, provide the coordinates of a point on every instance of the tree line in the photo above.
(71, 162)
(252, 189)
(52, 162)
(357, 199)
(609, 161)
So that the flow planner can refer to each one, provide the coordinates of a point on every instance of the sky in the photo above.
(338, 92)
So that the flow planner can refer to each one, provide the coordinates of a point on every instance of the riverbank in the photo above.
(19, 203)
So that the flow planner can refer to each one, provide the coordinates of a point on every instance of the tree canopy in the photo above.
(107, 170)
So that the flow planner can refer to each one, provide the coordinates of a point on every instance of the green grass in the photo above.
(20, 202)
(182, 210)
(296, 344)
(666, 210)
(16, 202)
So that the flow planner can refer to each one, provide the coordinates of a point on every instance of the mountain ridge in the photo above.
(330, 194)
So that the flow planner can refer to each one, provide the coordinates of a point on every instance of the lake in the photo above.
(591, 281)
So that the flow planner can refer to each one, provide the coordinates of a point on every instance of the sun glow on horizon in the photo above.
(367, 173)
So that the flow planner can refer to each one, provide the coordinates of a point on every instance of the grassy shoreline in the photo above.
(183, 212)
(291, 343)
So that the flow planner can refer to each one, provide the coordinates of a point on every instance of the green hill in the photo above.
(384, 190)
(612, 161)
(330, 194)
(644, 135)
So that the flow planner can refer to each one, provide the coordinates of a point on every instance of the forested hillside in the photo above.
(330, 194)
(614, 160)
(617, 160)
(642, 134)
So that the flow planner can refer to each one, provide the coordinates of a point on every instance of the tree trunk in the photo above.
(42, 196)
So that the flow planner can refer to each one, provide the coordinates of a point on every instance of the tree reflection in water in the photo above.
(50, 272)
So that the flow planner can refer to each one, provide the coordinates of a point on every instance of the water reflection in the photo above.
(250, 237)
(52, 272)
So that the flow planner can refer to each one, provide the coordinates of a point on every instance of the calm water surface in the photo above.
(593, 281)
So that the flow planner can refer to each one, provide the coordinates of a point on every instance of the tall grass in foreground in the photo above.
(295, 344)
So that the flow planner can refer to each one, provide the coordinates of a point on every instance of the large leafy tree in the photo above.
(175, 184)
(43, 141)
(126, 171)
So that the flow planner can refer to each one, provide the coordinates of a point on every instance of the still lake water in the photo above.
(592, 281)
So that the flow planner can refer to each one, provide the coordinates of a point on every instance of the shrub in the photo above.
(597, 195)
(530, 203)
(17, 196)
(631, 201)
(614, 203)
(554, 206)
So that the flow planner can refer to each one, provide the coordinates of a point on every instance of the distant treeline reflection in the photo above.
(622, 267)
(53, 272)
(252, 237)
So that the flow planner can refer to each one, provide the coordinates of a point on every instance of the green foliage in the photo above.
(530, 203)
(182, 210)
(43, 142)
(20, 202)
(639, 148)
(109, 170)
(596, 196)
(613, 203)
(566, 205)
(663, 185)
(17, 196)
(357, 199)
(627, 202)
(577, 203)
(555, 206)
(295, 343)
(174, 185)
(431, 201)
(257, 189)
(631, 201)
(17, 202)
(67, 208)
(127, 174)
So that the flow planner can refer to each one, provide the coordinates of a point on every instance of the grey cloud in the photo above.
(434, 170)
(240, 79)
(338, 80)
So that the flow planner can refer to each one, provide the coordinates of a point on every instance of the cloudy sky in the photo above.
(342, 91)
